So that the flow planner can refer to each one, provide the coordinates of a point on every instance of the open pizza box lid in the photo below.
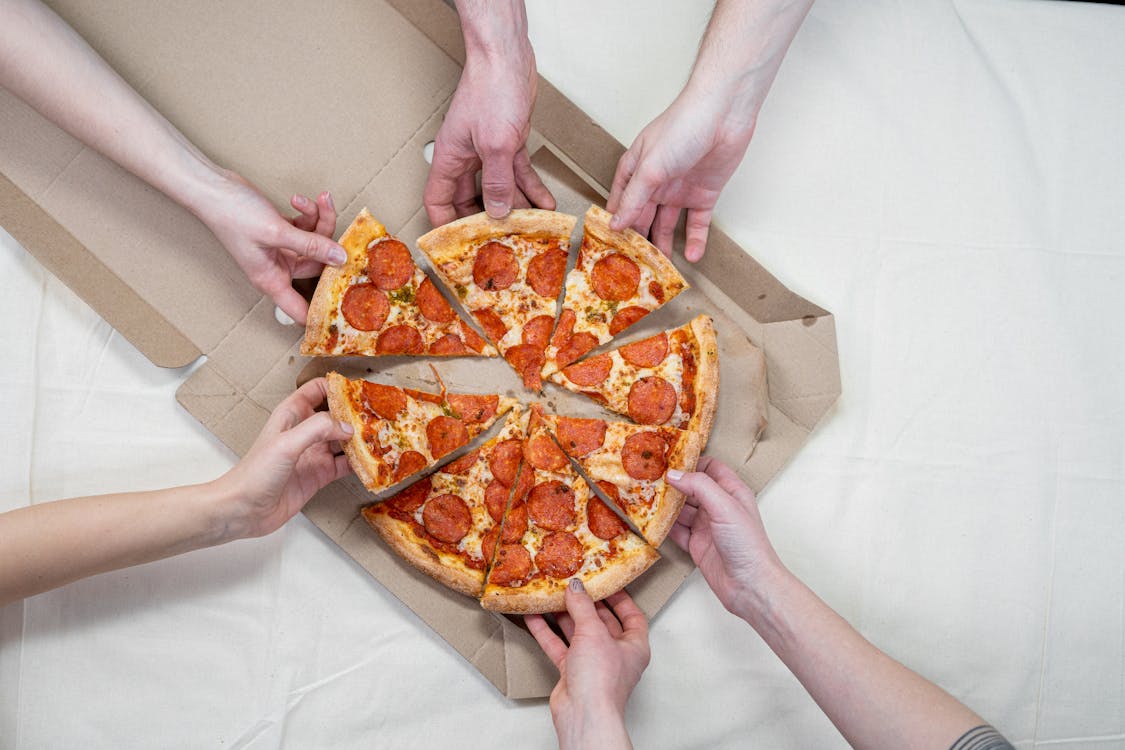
(347, 101)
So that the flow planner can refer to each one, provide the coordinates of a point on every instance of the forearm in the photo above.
(601, 728)
(873, 700)
(51, 544)
(494, 29)
(47, 64)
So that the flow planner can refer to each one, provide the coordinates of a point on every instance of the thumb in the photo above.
(703, 492)
(634, 197)
(321, 427)
(310, 245)
(498, 184)
(581, 607)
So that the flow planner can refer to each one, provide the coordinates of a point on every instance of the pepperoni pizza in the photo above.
(508, 274)
(381, 302)
(401, 431)
(620, 277)
(671, 378)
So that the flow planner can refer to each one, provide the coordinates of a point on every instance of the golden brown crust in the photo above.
(683, 456)
(610, 579)
(341, 407)
(706, 384)
(636, 246)
(451, 240)
(401, 538)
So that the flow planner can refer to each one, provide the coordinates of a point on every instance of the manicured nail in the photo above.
(301, 200)
(616, 224)
(347, 428)
(576, 586)
(337, 256)
(498, 210)
(674, 474)
(328, 200)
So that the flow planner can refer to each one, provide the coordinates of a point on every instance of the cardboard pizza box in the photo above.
(356, 121)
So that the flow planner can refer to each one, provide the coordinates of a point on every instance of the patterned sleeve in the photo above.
(983, 737)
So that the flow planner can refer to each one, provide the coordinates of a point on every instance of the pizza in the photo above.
(619, 278)
(627, 462)
(401, 431)
(671, 378)
(568, 532)
(508, 274)
(379, 302)
(446, 524)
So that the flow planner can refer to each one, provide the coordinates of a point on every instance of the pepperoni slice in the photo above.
(626, 317)
(387, 401)
(472, 338)
(496, 499)
(515, 524)
(564, 329)
(488, 543)
(551, 505)
(560, 555)
(495, 267)
(643, 455)
(537, 331)
(575, 347)
(409, 463)
(365, 307)
(523, 486)
(491, 324)
(399, 340)
(434, 306)
(446, 434)
(542, 453)
(447, 518)
(463, 464)
(505, 460)
(615, 277)
(656, 290)
(433, 398)
(448, 345)
(652, 400)
(512, 566)
(528, 361)
(647, 352)
(411, 499)
(474, 409)
(389, 264)
(609, 489)
(602, 521)
(592, 372)
(545, 272)
(581, 436)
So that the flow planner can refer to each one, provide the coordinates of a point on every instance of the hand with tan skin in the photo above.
(873, 700)
(48, 65)
(600, 662)
(488, 121)
(47, 545)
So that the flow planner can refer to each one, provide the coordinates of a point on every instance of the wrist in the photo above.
(761, 601)
(495, 32)
(224, 523)
(600, 725)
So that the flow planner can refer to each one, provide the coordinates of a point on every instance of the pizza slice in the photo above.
(446, 524)
(569, 533)
(401, 431)
(508, 274)
(381, 303)
(671, 378)
(620, 277)
(628, 462)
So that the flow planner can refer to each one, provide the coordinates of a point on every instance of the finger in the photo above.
(326, 221)
(341, 468)
(608, 619)
(498, 183)
(527, 180)
(644, 222)
(298, 405)
(698, 224)
(321, 427)
(687, 515)
(465, 195)
(309, 245)
(632, 618)
(625, 166)
(290, 302)
(633, 200)
(711, 498)
(521, 200)
(725, 477)
(664, 228)
(581, 607)
(305, 268)
(306, 219)
(441, 184)
(547, 639)
(681, 535)
(566, 625)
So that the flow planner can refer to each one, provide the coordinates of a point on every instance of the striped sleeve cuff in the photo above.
(983, 737)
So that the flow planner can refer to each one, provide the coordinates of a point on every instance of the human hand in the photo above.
(721, 529)
(271, 250)
(608, 651)
(293, 457)
(681, 160)
(486, 130)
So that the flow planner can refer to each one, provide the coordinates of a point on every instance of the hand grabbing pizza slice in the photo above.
(620, 277)
(381, 303)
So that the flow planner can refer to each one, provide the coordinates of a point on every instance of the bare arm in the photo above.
(47, 64)
(51, 544)
(873, 700)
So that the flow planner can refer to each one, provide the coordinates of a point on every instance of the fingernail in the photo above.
(576, 586)
(300, 200)
(346, 427)
(328, 200)
(497, 210)
(337, 256)
(674, 474)
(616, 224)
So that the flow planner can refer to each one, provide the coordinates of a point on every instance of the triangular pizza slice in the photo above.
(569, 533)
(620, 277)
(508, 274)
(401, 431)
(446, 524)
(381, 303)
(628, 462)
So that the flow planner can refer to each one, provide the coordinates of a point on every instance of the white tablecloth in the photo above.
(947, 178)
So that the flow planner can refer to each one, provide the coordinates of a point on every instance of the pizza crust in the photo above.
(637, 247)
(450, 241)
(428, 560)
(684, 456)
(706, 385)
(340, 406)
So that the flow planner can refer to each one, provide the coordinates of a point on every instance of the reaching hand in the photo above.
(608, 651)
(681, 160)
(721, 529)
(292, 458)
(486, 130)
(271, 250)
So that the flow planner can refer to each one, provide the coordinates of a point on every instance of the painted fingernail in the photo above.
(328, 200)
(337, 256)
(576, 586)
(674, 474)
(347, 428)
